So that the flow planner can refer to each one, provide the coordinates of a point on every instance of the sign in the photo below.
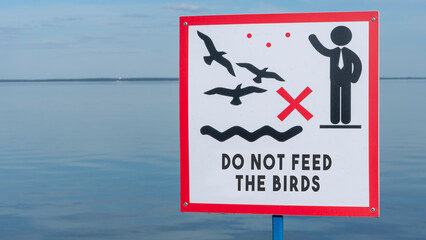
(279, 114)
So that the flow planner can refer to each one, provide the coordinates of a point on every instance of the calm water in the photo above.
(101, 161)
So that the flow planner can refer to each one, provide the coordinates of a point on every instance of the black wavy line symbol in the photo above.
(251, 136)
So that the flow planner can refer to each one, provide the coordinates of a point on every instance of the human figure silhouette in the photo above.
(341, 77)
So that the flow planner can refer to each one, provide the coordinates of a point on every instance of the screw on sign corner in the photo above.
(185, 204)
(372, 210)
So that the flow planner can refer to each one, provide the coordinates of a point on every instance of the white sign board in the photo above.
(280, 116)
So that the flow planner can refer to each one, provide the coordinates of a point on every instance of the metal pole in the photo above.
(277, 228)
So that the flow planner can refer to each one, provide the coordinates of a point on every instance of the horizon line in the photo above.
(113, 79)
(97, 79)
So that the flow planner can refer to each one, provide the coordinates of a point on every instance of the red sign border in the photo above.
(372, 18)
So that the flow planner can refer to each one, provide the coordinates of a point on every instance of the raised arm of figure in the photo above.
(318, 46)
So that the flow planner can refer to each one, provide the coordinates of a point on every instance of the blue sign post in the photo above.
(277, 228)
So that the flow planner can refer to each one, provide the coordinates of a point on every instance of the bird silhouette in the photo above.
(214, 54)
(260, 73)
(235, 93)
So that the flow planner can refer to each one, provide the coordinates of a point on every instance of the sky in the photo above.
(48, 39)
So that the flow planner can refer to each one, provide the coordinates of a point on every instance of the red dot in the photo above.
(249, 35)
(268, 44)
(287, 34)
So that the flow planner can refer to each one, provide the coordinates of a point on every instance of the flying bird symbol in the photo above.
(235, 93)
(260, 73)
(214, 54)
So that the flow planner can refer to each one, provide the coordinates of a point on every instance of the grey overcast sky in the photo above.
(128, 38)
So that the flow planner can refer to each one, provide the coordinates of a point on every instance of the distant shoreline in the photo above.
(141, 79)
(399, 78)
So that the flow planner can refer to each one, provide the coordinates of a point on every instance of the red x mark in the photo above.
(294, 104)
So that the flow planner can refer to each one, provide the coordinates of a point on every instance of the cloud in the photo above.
(131, 25)
(94, 37)
(12, 31)
(185, 7)
(110, 52)
(261, 7)
(134, 15)
(67, 19)
(61, 22)
(13, 28)
(54, 44)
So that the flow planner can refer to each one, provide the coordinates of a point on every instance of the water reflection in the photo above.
(101, 161)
